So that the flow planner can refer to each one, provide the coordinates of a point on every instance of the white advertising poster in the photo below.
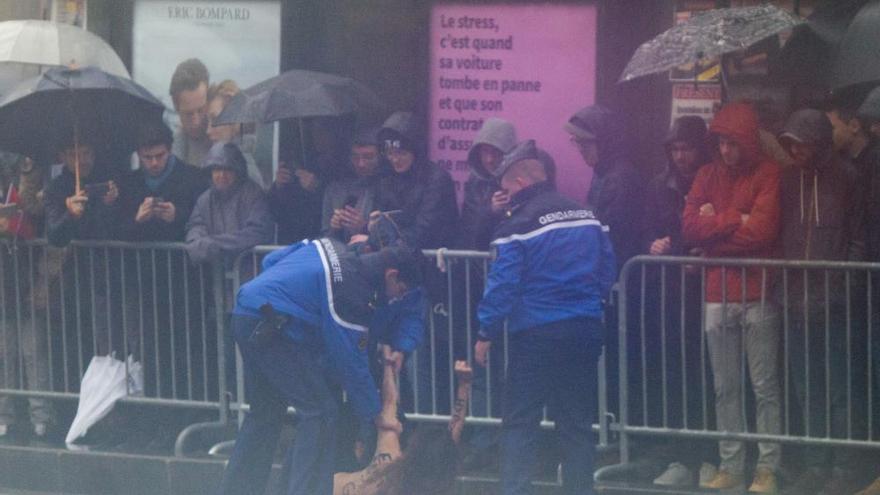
(238, 40)
(702, 100)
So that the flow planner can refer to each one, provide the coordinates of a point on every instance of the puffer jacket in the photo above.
(753, 190)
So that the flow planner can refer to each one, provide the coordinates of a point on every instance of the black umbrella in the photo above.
(298, 94)
(707, 35)
(857, 64)
(60, 101)
(811, 49)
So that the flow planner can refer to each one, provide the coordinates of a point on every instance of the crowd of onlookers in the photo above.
(725, 192)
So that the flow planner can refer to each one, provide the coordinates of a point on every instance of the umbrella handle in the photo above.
(76, 157)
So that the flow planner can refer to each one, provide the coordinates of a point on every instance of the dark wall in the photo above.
(384, 43)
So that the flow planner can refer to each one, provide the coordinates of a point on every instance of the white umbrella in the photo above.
(30, 47)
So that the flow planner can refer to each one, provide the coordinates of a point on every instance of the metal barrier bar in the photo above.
(826, 324)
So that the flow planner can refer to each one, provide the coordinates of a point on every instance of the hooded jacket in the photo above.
(425, 193)
(665, 200)
(477, 218)
(822, 208)
(752, 190)
(227, 223)
(616, 192)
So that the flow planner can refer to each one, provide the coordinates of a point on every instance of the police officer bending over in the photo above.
(554, 268)
(301, 326)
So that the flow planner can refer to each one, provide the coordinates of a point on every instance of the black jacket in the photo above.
(617, 190)
(98, 221)
(868, 165)
(425, 194)
(182, 187)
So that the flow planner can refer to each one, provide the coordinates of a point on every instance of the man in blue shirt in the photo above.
(554, 268)
(301, 326)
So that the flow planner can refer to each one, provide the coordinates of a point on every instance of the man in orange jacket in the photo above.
(733, 211)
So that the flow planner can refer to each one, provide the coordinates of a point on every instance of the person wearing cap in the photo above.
(422, 191)
(617, 188)
(822, 219)
(301, 326)
(349, 201)
(553, 270)
(732, 210)
(157, 198)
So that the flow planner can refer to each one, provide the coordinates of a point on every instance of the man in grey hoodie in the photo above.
(483, 197)
(822, 219)
(233, 215)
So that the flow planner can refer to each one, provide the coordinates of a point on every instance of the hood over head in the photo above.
(739, 122)
(811, 126)
(226, 156)
(497, 133)
(602, 125)
(404, 130)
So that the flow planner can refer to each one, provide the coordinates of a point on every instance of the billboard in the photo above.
(533, 65)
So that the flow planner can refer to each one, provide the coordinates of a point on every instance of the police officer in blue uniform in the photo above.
(554, 268)
(301, 326)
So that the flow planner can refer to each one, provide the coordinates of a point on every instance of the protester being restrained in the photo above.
(301, 326)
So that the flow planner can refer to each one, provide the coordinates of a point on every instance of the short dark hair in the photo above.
(188, 75)
(153, 134)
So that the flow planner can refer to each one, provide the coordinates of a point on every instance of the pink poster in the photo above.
(533, 65)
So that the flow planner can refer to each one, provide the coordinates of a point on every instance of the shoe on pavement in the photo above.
(707, 472)
(872, 489)
(764, 482)
(724, 480)
(677, 474)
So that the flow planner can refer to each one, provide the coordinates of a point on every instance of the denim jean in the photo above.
(553, 365)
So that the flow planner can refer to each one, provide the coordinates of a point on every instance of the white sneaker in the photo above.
(4, 429)
(707, 473)
(677, 474)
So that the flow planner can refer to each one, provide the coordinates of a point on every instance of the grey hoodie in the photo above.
(822, 208)
(477, 219)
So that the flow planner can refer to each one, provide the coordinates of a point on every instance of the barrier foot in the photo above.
(221, 449)
(215, 431)
(617, 472)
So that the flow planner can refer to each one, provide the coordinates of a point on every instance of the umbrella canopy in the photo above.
(858, 59)
(298, 94)
(38, 111)
(29, 47)
(811, 49)
(708, 34)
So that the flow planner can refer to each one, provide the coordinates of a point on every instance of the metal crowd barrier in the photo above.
(62, 306)
(823, 318)
(455, 281)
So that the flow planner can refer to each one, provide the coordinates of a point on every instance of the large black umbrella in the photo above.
(40, 110)
(298, 94)
(857, 64)
(708, 35)
(811, 49)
